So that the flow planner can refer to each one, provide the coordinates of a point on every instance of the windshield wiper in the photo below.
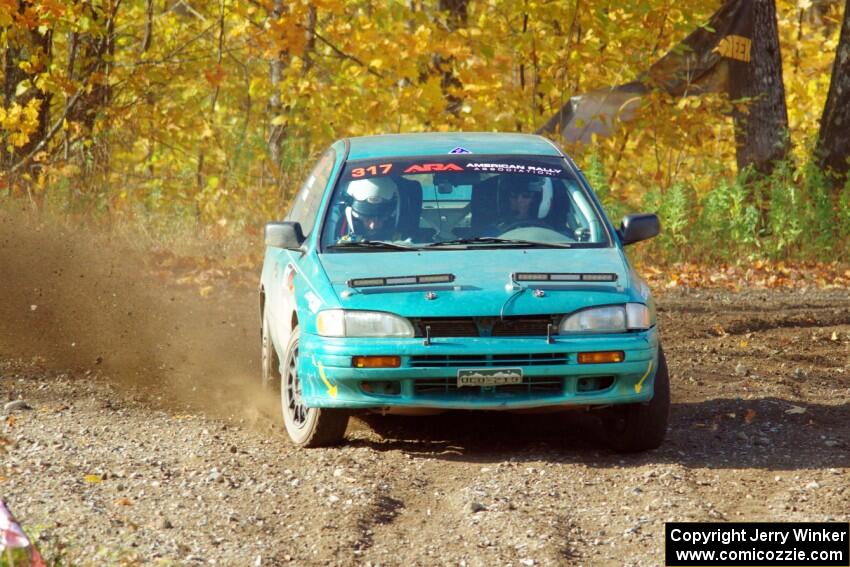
(372, 244)
(497, 240)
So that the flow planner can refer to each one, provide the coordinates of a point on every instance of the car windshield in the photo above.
(460, 202)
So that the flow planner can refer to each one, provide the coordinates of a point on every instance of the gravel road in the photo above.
(149, 440)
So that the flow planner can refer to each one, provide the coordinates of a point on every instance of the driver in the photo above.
(526, 199)
(373, 212)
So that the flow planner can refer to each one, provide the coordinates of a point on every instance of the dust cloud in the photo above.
(81, 300)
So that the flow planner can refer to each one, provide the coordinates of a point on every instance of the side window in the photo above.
(306, 204)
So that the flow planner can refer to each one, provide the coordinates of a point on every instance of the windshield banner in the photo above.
(467, 164)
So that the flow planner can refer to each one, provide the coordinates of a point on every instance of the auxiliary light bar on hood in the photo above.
(545, 277)
(402, 280)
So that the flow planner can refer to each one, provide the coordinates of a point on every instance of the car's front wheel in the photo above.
(640, 427)
(306, 427)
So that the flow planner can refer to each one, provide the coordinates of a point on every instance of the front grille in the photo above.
(484, 360)
(449, 327)
(539, 385)
(522, 326)
(516, 326)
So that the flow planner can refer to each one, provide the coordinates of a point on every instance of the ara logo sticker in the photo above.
(459, 150)
(433, 167)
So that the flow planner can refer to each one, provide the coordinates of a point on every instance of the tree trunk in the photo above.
(90, 60)
(761, 132)
(278, 128)
(200, 177)
(457, 16)
(148, 37)
(310, 46)
(21, 44)
(833, 149)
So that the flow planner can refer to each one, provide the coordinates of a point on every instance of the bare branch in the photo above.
(342, 53)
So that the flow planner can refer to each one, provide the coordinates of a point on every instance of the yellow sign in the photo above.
(734, 47)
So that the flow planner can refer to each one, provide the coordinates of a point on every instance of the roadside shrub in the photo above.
(598, 179)
(786, 214)
(728, 222)
(843, 212)
(675, 208)
(819, 231)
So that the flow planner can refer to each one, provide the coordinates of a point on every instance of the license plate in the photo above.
(488, 377)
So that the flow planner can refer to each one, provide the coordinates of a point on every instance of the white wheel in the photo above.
(306, 427)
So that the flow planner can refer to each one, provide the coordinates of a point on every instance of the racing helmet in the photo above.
(540, 187)
(376, 197)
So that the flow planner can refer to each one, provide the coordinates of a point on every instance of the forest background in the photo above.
(204, 115)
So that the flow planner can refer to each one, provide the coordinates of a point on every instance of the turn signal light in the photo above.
(601, 357)
(375, 361)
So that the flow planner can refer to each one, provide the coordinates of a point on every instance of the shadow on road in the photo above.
(767, 433)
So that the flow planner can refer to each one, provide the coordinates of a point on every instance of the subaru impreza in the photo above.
(420, 273)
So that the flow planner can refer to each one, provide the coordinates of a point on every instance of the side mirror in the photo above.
(641, 226)
(284, 235)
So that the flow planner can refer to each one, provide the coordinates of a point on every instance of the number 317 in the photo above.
(384, 169)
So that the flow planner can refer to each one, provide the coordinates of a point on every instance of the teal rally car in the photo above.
(419, 273)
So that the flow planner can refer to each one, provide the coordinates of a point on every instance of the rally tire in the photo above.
(269, 361)
(639, 427)
(306, 427)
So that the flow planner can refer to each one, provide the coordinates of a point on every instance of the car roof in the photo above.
(442, 143)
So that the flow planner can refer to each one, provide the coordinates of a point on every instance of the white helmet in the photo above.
(374, 197)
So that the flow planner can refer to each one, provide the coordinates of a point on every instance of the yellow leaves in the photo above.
(255, 86)
(287, 34)
(7, 11)
(51, 8)
(515, 63)
(93, 478)
(215, 75)
(19, 122)
(21, 88)
(692, 102)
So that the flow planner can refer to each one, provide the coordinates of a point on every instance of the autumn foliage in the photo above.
(209, 112)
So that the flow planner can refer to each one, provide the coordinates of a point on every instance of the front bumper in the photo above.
(427, 377)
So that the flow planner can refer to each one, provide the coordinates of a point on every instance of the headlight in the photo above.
(609, 319)
(342, 323)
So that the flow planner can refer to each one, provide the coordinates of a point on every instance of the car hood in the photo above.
(481, 276)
